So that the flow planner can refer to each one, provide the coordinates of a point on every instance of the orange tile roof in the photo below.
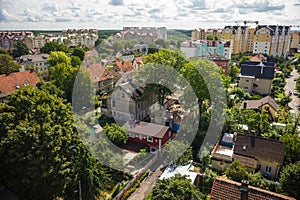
(11, 82)
(99, 72)
(125, 66)
(224, 189)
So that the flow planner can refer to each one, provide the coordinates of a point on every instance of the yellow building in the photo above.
(272, 40)
(238, 35)
(294, 41)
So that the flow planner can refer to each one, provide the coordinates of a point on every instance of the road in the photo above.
(290, 86)
(146, 186)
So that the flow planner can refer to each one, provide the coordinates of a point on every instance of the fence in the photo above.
(134, 180)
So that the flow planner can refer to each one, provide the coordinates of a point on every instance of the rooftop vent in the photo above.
(244, 147)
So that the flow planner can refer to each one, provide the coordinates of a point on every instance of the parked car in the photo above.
(296, 92)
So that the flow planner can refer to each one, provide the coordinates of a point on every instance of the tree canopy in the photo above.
(290, 179)
(177, 187)
(20, 49)
(54, 46)
(115, 133)
(41, 155)
(236, 171)
(7, 65)
(79, 52)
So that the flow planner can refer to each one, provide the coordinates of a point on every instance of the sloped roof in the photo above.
(259, 148)
(147, 129)
(125, 66)
(11, 82)
(255, 104)
(264, 70)
(35, 58)
(224, 189)
(99, 72)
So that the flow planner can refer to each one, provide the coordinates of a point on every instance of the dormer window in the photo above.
(244, 147)
(17, 86)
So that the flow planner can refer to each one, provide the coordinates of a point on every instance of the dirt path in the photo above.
(146, 186)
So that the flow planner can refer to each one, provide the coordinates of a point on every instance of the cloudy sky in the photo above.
(114, 14)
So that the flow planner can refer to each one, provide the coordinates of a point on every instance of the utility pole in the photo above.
(79, 188)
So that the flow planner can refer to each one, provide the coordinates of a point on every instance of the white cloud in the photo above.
(57, 14)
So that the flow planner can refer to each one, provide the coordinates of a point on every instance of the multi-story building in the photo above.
(201, 34)
(203, 48)
(272, 40)
(238, 35)
(145, 35)
(294, 41)
(37, 61)
(9, 38)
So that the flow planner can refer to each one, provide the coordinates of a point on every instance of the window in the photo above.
(246, 88)
(149, 139)
(258, 166)
(123, 95)
(132, 135)
(170, 134)
(268, 169)
(153, 150)
(246, 81)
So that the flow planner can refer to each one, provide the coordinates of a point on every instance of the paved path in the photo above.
(146, 186)
(290, 86)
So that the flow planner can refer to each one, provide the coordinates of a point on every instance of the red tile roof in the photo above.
(11, 82)
(147, 129)
(125, 66)
(224, 189)
(99, 72)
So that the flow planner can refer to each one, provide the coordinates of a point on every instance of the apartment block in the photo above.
(238, 36)
(200, 34)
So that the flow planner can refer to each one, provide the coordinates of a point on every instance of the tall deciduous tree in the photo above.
(54, 46)
(291, 148)
(236, 171)
(115, 133)
(7, 65)
(20, 49)
(177, 187)
(79, 52)
(290, 179)
(41, 155)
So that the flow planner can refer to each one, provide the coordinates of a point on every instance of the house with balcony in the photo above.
(255, 152)
(154, 136)
(257, 77)
(259, 154)
(37, 61)
(126, 102)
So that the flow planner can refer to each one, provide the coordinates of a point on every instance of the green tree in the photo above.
(115, 133)
(290, 180)
(20, 49)
(75, 61)
(236, 171)
(7, 65)
(57, 57)
(292, 147)
(179, 152)
(162, 43)
(54, 46)
(118, 46)
(177, 187)
(41, 154)
(3, 51)
(79, 52)
(212, 37)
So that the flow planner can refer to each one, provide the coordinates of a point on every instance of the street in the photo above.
(290, 86)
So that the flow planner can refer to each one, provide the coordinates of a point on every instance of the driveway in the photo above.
(290, 86)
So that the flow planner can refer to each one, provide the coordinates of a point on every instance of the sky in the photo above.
(173, 14)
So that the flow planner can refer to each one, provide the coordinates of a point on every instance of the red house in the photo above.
(154, 136)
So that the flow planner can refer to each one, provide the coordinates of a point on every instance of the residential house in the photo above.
(224, 189)
(13, 81)
(102, 77)
(265, 104)
(186, 170)
(257, 77)
(221, 62)
(294, 42)
(155, 136)
(259, 154)
(38, 61)
(9, 38)
(255, 152)
(126, 102)
(222, 154)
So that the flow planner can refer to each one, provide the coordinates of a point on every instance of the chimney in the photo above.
(244, 190)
